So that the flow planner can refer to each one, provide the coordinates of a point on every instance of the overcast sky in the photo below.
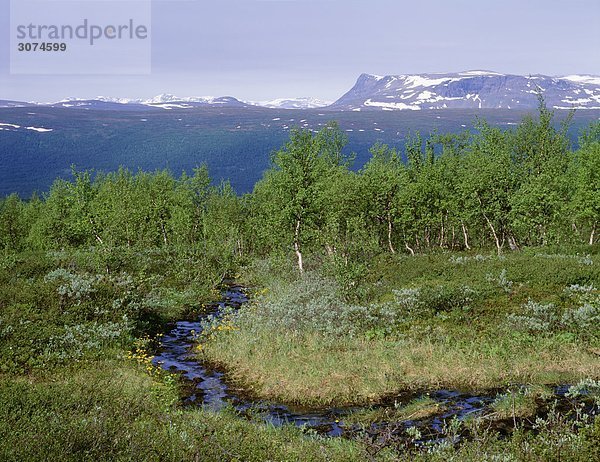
(264, 49)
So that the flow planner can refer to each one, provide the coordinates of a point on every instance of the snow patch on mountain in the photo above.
(4, 126)
(168, 98)
(413, 81)
(390, 106)
(39, 129)
(589, 79)
(292, 103)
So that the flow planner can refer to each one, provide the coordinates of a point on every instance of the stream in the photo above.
(208, 388)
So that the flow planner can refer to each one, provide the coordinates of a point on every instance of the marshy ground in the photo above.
(78, 381)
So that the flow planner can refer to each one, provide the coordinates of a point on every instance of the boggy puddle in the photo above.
(429, 414)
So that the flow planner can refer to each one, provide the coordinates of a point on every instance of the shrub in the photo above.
(85, 339)
(429, 301)
(586, 260)
(537, 317)
(313, 303)
(502, 281)
(585, 388)
(409, 301)
(72, 286)
(583, 293)
(462, 260)
(583, 319)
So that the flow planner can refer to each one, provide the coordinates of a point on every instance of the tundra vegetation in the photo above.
(469, 261)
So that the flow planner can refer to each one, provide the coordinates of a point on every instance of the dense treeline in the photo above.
(122, 209)
(491, 188)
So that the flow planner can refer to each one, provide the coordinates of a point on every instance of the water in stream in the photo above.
(208, 387)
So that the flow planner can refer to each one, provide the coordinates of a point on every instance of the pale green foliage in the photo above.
(587, 315)
(548, 317)
(583, 294)
(586, 388)
(72, 286)
(586, 260)
(584, 317)
(408, 300)
(429, 301)
(536, 317)
(464, 259)
(80, 340)
(310, 304)
(502, 281)
(313, 303)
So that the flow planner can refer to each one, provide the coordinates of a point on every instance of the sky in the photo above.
(264, 49)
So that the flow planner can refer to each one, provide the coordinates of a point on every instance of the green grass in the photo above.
(112, 411)
(312, 369)
(520, 403)
(561, 443)
(443, 341)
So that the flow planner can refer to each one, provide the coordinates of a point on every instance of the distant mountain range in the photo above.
(463, 90)
(164, 101)
(471, 89)
(167, 101)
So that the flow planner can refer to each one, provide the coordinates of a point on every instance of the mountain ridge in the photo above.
(474, 89)
(169, 101)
